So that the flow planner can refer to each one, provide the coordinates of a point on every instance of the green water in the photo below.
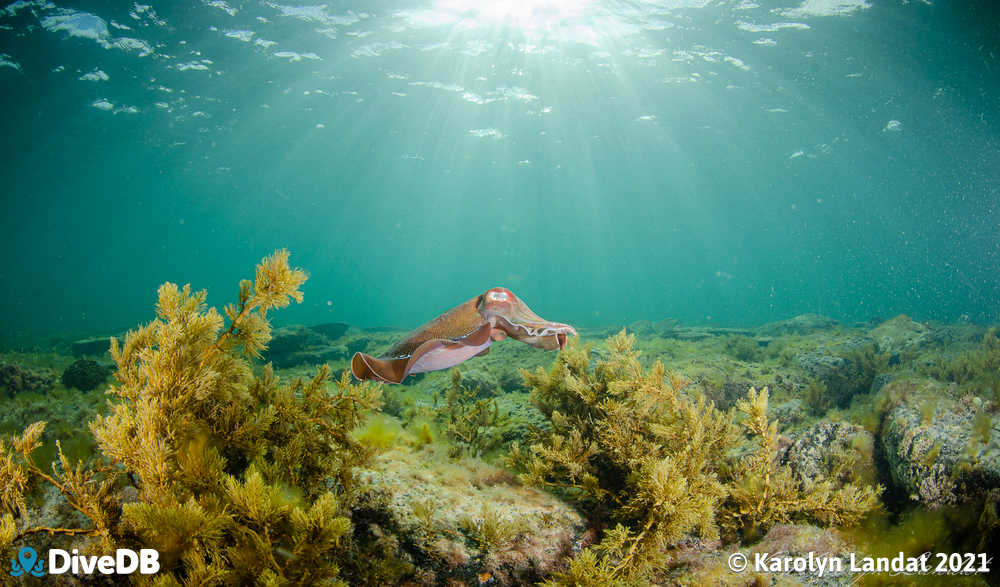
(717, 162)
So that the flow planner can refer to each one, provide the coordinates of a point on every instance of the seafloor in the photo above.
(906, 405)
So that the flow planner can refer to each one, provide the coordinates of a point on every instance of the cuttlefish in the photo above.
(464, 332)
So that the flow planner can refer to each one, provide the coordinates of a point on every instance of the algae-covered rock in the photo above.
(14, 379)
(523, 418)
(700, 566)
(941, 449)
(362, 344)
(481, 381)
(85, 374)
(94, 346)
(789, 413)
(899, 334)
(664, 327)
(803, 324)
(301, 345)
(331, 330)
(846, 369)
(459, 521)
(835, 450)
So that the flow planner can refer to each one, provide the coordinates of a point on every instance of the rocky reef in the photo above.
(633, 457)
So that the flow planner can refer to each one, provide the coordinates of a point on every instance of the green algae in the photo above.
(380, 433)
(976, 371)
(917, 531)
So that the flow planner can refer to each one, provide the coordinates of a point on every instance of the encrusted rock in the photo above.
(439, 510)
(847, 368)
(788, 413)
(522, 418)
(803, 324)
(85, 374)
(826, 449)
(299, 345)
(941, 449)
(701, 566)
(481, 380)
(331, 330)
(95, 346)
(14, 379)
(641, 328)
(899, 334)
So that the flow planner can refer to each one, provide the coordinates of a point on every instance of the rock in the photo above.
(948, 335)
(331, 330)
(91, 346)
(699, 565)
(848, 369)
(290, 339)
(436, 507)
(360, 344)
(522, 418)
(510, 380)
(380, 329)
(830, 448)
(788, 413)
(641, 328)
(940, 449)
(804, 324)
(298, 345)
(85, 374)
(879, 382)
(899, 334)
(667, 326)
(819, 364)
(482, 380)
(14, 379)
(696, 333)
(319, 355)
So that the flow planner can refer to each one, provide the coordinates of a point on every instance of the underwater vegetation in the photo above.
(743, 348)
(654, 467)
(234, 477)
(472, 424)
(854, 374)
(977, 370)
(237, 475)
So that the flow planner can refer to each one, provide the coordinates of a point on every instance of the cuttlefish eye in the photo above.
(498, 296)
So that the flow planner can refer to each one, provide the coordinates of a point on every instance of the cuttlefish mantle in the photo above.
(461, 333)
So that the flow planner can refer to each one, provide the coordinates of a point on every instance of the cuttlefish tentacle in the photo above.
(464, 332)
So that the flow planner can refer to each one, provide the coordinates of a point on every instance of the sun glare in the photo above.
(577, 20)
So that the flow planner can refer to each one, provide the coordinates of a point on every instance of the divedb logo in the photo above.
(124, 562)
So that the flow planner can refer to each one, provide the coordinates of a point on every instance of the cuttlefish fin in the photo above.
(431, 355)
(483, 352)
(367, 367)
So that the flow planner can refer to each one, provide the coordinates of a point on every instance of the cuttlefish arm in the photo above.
(464, 332)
